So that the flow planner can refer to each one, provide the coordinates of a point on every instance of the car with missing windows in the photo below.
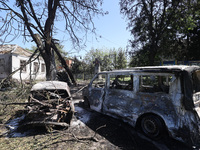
(49, 104)
(159, 100)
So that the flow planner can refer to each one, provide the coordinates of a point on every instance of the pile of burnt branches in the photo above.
(48, 112)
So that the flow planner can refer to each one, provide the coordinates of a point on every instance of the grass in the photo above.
(8, 112)
(43, 140)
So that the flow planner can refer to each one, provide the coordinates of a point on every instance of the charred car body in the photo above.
(158, 100)
(49, 104)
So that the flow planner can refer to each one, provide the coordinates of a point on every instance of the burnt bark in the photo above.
(49, 54)
(50, 65)
(63, 62)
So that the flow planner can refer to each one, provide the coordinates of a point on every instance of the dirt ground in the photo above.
(89, 130)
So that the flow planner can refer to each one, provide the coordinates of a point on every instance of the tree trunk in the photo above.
(49, 53)
(45, 49)
(50, 67)
(63, 62)
(152, 54)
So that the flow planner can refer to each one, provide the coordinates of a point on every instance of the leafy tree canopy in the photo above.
(161, 28)
(109, 59)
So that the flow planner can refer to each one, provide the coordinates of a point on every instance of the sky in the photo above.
(111, 32)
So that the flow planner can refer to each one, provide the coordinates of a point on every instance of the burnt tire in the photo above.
(152, 126)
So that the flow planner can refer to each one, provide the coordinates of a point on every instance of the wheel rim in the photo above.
(151, 127)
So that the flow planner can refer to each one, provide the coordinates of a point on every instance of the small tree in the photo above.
(77, 66)
(121, 59)
(90, 58)
(110, 59)
(106, 63)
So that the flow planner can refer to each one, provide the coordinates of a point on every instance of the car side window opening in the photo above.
(99, 81)
(155, 83)
(122, 82)
(196, 81)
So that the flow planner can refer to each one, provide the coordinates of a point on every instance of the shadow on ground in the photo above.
(124, 136)
(111, 134)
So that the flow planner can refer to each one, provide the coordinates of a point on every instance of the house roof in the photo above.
(15, 49)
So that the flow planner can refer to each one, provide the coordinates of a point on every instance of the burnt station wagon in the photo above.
(158, 100)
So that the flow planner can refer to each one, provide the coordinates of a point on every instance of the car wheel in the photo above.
(152, 126)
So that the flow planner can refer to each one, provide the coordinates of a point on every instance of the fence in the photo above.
(83, 76)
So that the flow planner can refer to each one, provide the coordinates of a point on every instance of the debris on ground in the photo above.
(49, 104)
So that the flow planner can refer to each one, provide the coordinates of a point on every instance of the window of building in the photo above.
(23, 65)
(2, 65)
(36, 67)
(42, 67)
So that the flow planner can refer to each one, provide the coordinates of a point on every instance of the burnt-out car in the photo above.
(157, 99)
(49, 103)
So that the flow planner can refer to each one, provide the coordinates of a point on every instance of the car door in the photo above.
(97, 91)
(120, 99)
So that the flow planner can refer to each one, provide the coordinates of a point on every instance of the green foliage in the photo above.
(78, 66)
(162, 29)
(106, 62)
(32, 49)
(90, 58)
(121, 59)
(109, 59)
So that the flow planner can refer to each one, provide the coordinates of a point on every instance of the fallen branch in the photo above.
(3, 134)
(15, 103)
(86, 138)
(80, 89)
(39, 102)
(21, 67)
(93, 138)
(63, 124)
(76, 92)
(99, 129)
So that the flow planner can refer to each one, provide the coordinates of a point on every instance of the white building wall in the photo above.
(25, 75)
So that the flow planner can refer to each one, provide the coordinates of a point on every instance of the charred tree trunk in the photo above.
(49, 54)
(48, 47)
(50, 66)
(63, 62)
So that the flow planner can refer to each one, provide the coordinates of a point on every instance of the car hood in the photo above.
(51, 85)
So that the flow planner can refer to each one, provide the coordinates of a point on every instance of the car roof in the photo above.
(167, 69)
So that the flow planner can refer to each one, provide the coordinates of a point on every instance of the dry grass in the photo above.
(44, 140)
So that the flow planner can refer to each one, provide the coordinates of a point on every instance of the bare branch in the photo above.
(29, 61)
(39, 18)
